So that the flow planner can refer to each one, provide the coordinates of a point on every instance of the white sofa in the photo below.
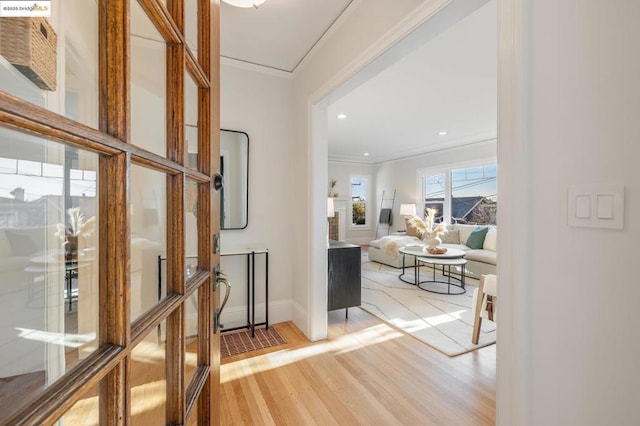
(479, 261)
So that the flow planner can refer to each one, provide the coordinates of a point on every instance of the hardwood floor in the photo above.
(365, 373)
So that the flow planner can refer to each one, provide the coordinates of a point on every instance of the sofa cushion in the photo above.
(465, 231)
(476, 238)
(451, 237)
(412, 231)
(483, 256)
(392, 243)
(491, 240)
(20, 242)
(455, 246)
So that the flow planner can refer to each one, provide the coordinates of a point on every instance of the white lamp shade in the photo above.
(407, 209)
(331, 212)
(245, 3)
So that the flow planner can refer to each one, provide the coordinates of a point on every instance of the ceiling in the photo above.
(279, 33)
(446, 84)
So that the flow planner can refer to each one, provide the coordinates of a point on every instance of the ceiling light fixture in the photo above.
(342, 116)
(442, 133)
(245, 3)
(366, 154)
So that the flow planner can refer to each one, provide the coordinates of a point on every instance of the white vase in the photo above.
(432, 240)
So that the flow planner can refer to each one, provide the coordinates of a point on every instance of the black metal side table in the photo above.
(251, 254)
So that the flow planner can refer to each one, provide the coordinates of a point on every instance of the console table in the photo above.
(251, 253)
(344, 276)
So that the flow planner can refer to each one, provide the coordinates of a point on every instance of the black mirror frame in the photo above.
(247, 195)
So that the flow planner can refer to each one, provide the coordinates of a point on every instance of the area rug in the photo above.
(240, 342)
(444, 322)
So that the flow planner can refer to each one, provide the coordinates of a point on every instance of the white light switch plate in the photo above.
(596, 206)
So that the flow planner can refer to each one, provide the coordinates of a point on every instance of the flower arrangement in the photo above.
(428, 228)
(78, 225)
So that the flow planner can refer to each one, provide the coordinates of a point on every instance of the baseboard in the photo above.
(236, 316)
(299, 317)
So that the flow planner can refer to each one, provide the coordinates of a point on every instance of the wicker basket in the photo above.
(30, 44)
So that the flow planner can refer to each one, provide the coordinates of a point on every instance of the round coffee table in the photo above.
(453, 257)
(415, 252)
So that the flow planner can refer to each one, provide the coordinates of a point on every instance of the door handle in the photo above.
(218, 181)
(220, 279)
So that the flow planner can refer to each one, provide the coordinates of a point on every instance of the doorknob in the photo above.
(218, 182)
(220, 279)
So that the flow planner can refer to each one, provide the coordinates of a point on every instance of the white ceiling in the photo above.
(448, 83)
(278, 34)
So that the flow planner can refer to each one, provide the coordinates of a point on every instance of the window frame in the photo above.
(423, 173)
(367, 203)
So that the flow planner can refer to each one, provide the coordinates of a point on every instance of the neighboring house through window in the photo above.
(462, 194)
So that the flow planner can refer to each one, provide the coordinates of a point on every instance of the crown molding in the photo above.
(399, 31)
(349, 159)
(401, 156)
(251, 66)
(335, 25)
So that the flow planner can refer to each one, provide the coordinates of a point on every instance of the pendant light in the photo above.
(245, 3)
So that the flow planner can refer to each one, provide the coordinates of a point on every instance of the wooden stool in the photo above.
(487, 287)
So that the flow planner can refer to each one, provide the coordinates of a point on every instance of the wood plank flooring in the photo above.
(365, 373)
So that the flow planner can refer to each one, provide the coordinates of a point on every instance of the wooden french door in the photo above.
(107, 214)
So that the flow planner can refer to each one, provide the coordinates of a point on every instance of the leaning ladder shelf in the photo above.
(385, 216)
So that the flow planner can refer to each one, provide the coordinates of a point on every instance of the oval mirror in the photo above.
(234, 167)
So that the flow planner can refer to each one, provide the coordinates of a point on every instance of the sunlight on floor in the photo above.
(63, 339)
(150, 351)
(153, 395)
(427, 322)
(344, 344)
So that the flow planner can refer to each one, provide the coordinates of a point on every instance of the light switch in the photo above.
(605, 206)
(583, 206)
(596, 206)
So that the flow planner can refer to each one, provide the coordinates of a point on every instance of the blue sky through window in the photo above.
(359, 188)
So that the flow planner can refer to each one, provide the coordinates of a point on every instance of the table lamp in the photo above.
(331, 212)
(407, 210)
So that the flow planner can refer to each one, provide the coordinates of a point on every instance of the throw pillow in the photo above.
(412, 231)
(21, 244)
(476, 238)
(491, 240)
(451, 237)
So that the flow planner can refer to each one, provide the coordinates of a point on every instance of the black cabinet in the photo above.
(344, 275)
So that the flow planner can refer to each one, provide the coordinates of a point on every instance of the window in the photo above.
(462, 195)
(434, 188)
(359, 201)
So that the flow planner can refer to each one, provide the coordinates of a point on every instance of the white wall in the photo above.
(569, 101)
(402, 175)
(262, 105)
(342, 172)
(364, 29)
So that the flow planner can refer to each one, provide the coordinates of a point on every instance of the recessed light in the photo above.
(443, 133)
(366, 154)
(342, 116)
